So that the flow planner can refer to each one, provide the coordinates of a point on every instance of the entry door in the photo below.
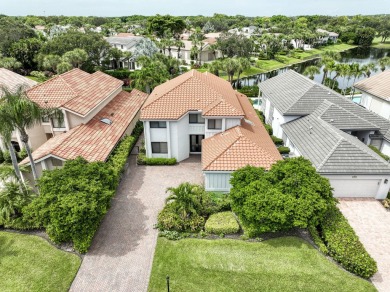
(196, 143)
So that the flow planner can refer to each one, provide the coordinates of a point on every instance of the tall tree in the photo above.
(25, 51)
(75, 57)
(383, 62)
(311, 71)
(243, 64)
(160, 24)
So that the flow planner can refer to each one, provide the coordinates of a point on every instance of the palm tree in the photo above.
(328, 61)
(383, 62)
(6, 132)
(243, 64)
(214, 67)
(179, 45)
(21, 114)
(230, 65)
(311, 71)
(186, 197)
(368, 69)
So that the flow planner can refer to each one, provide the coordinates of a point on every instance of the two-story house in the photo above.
(200, 113)
(331, 131)
(95, 115)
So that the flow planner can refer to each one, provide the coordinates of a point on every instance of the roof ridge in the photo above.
(165, 93)
(227, 148)
(330, 153)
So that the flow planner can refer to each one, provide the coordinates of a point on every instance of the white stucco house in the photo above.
(331, 131)
(96, 114)
(327, 35)
(200, 114)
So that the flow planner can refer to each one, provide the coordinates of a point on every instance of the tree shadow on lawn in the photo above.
(6, 249)
(124, 225)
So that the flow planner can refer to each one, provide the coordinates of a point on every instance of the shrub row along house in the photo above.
(200, 113)
(94, 114)
(331, 131)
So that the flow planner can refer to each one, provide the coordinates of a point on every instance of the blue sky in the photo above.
(193, 7)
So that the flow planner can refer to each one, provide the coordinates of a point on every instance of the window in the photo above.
(57, 123)
(158, 124)
(159, 147)
(45, 119)
(121, 46)
(196, 119)
(215, 124)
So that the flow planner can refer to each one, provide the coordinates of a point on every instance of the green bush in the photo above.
(317, 239)
(7, 156)
(1, 156)
(277, 140)
(290, 195)
(119, 74)
(376, 150)
(250, 91)
(222, 223)
(22, 154)
(269, 129)
(221, 200)
(344, 245)
(171, 235)
(143, 160)
(260, 115)
(284, 150)
(169, 219)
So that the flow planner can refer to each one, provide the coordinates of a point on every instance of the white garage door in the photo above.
(362, 188)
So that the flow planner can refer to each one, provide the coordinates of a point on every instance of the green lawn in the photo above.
(29, 263)
(377, 43)
(283, 264)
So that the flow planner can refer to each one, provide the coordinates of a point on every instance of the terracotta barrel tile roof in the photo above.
(95, 140)
(12, 80)
(75, 90)
(192, 91)
(247, 144)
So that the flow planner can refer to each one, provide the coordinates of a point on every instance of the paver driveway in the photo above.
(371, 223)
(120, 258)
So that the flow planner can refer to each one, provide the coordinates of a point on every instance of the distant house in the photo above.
(327, 35)
(246, 31)
(376, 93)
(12, 81)
(136, 45)
(331, 131)
(200, 113)
(96, 114)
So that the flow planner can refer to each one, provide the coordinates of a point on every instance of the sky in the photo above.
(193, 7)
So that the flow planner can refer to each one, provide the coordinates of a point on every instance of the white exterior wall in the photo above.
(277, 120)
(375, 104)
(217, 181)
(385, 149)
(182, 138)
(374, 186)
(365, 100)
(230, 123)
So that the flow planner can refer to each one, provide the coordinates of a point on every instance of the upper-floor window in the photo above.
(158, 124)
(196, 119)
(58, 120)
(45, 119)
(214, 124)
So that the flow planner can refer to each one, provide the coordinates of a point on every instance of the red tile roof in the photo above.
(76, 90)
(248, 144)
(95, 140)
(192, 91)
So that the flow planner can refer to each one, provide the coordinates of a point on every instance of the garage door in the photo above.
(362, 188)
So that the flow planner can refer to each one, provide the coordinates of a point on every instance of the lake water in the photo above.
(356, 55)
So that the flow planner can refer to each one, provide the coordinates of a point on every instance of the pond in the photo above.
(356, 55)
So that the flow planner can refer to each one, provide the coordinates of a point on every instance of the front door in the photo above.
(196, 143)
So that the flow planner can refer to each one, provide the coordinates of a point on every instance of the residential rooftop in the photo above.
(95, 140)
(192, 91)
(377, 85)
(77, 91)
(331, 150)
(12, 81)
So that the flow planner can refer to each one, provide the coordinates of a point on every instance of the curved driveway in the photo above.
(120, 258)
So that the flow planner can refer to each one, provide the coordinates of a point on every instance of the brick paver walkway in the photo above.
(371, 223)
(121, 255)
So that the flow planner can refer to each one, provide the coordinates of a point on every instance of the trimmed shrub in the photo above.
(277, 140)
(143, 160)
(221, 200)
(344, 245)
(260, 115)
(222, 223)
(269, 129)
(284, 150)
(119, 74)
(250, 91)
(169, 219)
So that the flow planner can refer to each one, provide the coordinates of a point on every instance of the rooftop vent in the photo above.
(106, 121)
(249, 122)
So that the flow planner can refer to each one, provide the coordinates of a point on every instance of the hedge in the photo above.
(344, 245)
(143, 160)
(284, 150)
(277, 140)
(222, 223)
(317, 239)
(119, 74)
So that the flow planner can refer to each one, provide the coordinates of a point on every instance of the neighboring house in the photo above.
(136, 45)
(325, 127)
(207, 54)
(327, 35)
(200, 113)
(246, 31)
(376, 93)
(12, 81)
(96, 115)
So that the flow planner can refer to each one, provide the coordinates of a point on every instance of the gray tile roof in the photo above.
(294, 94)
(331, 150)
(378, 85)
(128, 43)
